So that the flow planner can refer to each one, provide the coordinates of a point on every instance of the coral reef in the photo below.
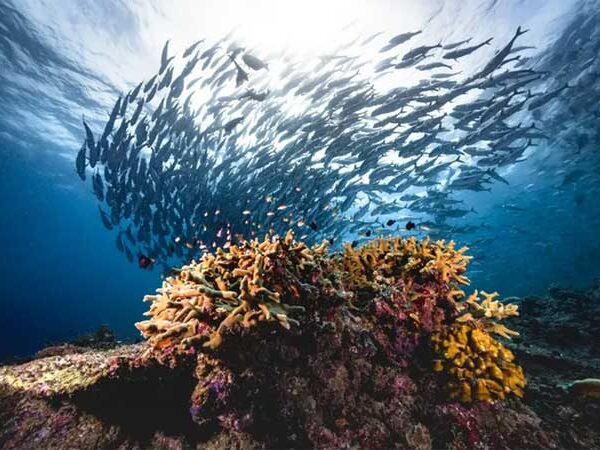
(404, 289)
(273, 344)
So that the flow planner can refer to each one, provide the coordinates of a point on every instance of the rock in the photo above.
(366, 380)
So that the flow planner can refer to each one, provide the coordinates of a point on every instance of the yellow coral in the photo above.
(479, 367)
(485, 312)
(239, 284)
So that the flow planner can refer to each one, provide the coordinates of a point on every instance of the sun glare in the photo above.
(310, 26)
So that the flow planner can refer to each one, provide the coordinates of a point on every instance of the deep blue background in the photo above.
(61, 273)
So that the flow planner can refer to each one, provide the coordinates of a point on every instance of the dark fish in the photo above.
(410, 225)
(258, 96)
(98, 186)
(128, 254)
(119, 243)
(111, 119)
(164, 58)
(368, 233)
(135, 92)
(501, 55)
(229, 126)
(241, 76)
(420, 51)
(105, 219)
(253, 62)
(465, 51)
(124, 104)
(188, 51)
(399, 39)
(354, 244)
(152, 93)
(151, 83)
(456, 44)
(80, 161)
(313, 226)
(94, 150)
(137, 112)
(144, 262)
(390, 222)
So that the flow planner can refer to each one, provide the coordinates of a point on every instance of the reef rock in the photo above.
(333, 395)
(276, 345)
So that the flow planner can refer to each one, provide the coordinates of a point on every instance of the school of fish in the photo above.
(226, 141)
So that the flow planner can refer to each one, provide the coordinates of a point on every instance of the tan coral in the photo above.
(385, 258)
(485, 312)
(242, 286)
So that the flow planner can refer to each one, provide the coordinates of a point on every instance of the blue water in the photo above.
(60, 272)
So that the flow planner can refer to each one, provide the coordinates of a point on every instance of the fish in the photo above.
(164, 58)
(105, 219)
(314, 147)
(251, 94)
(499, 57)
(229, 126)
(397, 40)
(434, 65)
(455, 54)
(456, 44)
(545, 98)
(253, 62)
(420, 51)
(144, 262)
(188, 51)
(80, 161)
(410, 225)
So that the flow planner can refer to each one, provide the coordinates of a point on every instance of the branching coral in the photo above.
(479, 367)
(402, 292)
(382, 261)
(243, 285)
(485, 312)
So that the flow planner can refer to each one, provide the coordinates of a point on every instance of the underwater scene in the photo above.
(324, 224)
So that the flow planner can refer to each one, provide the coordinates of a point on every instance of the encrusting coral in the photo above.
(405, 292)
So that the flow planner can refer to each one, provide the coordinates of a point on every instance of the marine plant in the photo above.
(405, 293)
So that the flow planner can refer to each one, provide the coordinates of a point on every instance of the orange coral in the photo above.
(382, 260)
(485, 313)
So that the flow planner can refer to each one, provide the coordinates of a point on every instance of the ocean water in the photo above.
(61, 62)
